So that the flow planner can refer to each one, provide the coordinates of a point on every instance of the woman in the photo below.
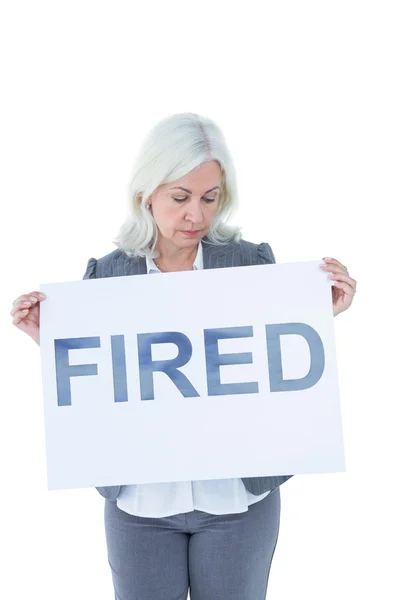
(215, 537)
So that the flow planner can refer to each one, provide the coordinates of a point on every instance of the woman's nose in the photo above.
(194, 213)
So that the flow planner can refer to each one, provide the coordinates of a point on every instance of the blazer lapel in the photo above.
(132, 265)
(217, 256)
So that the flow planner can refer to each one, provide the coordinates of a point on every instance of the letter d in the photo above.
(317, 356)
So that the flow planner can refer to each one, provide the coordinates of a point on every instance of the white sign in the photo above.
(209, 374)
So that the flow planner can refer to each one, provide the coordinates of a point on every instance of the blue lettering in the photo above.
(214, 360)
(147, 366)
(317, 356)
(64, 371)
(119, 368)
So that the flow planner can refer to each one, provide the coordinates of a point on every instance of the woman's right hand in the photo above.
(26, 314)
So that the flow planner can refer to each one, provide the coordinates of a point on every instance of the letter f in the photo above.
(64, 371)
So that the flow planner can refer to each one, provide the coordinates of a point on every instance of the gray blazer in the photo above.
(233, 254)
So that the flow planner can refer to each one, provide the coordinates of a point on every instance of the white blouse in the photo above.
(215, 496)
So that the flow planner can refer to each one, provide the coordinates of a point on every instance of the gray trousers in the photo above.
(216, 557)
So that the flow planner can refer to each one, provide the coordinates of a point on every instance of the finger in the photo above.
(349, 291)
(345, 278)
(20, 299)
(334, 269)
(26, 304)
(34, 296)
(20, 316)
(27, 301)
(333, 261)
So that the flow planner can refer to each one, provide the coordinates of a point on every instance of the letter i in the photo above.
(119, 368)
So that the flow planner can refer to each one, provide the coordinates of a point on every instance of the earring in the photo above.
(148, 206)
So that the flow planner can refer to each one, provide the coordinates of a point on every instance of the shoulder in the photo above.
(262, 252)
(243, 253)
(111, 265)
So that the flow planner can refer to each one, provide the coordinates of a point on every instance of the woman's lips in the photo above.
(191, 233)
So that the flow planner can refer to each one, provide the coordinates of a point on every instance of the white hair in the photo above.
(175, 146)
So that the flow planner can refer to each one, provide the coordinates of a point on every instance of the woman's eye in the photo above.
(183, 199)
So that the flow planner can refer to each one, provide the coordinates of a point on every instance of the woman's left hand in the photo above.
(344, 288)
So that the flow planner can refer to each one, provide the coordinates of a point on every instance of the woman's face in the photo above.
(183, 216)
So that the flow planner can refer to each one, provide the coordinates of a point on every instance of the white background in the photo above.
(307, 95)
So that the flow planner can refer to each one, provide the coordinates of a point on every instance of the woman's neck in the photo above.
(172, 258)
